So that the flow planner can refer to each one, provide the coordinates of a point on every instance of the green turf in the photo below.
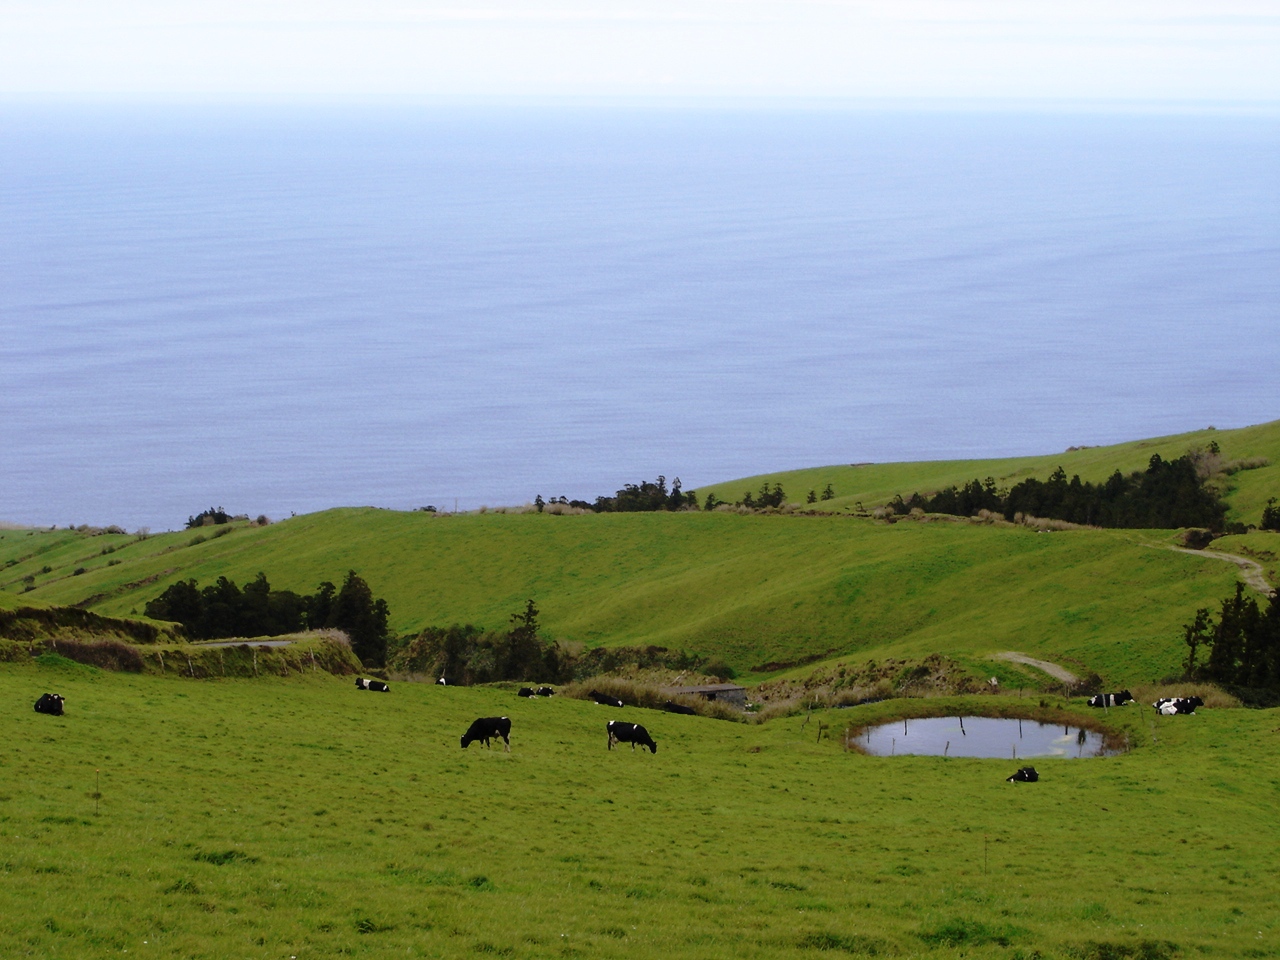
(301, 818)
(756, 590)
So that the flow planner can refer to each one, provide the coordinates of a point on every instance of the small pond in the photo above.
(980, 737)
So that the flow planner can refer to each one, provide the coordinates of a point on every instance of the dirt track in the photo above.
(1251, 571)
(1052, 669)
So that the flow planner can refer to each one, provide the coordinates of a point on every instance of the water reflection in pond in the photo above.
(980, 737)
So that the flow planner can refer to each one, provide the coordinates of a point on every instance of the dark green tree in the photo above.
(520, 656)
(1198, 633)
(179, 603)
(1271, 516)
(363, 618)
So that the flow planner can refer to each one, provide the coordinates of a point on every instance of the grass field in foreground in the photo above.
(301, 818)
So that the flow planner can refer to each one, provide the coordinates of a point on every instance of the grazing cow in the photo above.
(525, 692)
(1168, 706)
(1111, 699)
(544, 692)
(487, 728)
(679, 708)
(50, 703)
(632, 733)
(604, 699)
(377, 685)
(1024, 775)
(446, 682)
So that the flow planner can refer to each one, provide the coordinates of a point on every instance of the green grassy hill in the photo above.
(169, 818)
(763, 591)
(876, 483)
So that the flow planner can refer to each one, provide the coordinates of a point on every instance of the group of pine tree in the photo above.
(1243, 643)
(649, 496)
(223, 610)
(1168, 494)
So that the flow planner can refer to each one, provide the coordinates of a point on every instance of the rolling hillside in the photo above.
(873, 484)
(765, 592)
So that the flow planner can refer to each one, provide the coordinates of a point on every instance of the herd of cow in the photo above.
(486, 729)
(1165, 706)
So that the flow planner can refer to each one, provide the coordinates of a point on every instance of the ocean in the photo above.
(279, 310)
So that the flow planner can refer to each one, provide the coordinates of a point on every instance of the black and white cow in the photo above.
(446, 682)
(1111, 699)
(50, 703)
(526, 692)
(486, 729)
(376, 685)
(632, 733)
(604, 699)
(671, 707)
(1168, 706)
(544, 692)
(1024, 775)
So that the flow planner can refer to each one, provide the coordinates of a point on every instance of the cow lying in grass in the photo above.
(604, 699)
(1024, 775)
(1168, 706)
(377, 685)
(673, 707)
(1111, 699)
(486, 729)
(632, 733)
(50, 703)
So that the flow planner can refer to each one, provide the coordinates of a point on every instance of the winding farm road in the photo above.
(1052, 669)
(1251, 571)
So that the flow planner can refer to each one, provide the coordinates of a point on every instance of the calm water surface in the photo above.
(981, 737)
(285, 310)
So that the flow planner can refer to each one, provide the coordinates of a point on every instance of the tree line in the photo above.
(1167, 494)
(647, 496)
(468, 655)
(653, 495)
(1242, 644)
(223, 609)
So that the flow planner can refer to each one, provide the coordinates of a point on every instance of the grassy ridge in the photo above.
(876, 484)
(301, 818)
(754, 589)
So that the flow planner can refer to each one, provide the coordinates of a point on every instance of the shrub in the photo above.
(1271, 516)
(649, 696)
(105, 654)
(11, 651)
(720, 670)
(1196, 539)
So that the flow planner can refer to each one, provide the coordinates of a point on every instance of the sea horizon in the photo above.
(279, 309)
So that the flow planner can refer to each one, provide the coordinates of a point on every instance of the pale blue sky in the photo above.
(1172, 51)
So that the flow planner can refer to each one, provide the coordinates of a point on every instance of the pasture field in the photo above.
(761, 591)
(300, 818)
